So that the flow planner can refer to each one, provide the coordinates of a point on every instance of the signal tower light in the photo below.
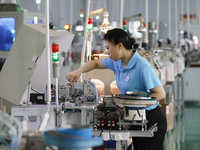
(97, 17)
(81, 13)
(124, 25)
(55, 52)
(90, 24)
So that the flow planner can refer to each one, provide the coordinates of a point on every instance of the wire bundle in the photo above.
(11, 131)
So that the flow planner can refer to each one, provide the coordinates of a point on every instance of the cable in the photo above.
(13, 131)
(110, 132)
(14, 128)
(90, 97)
(101, 131)
(131, 121)
(96, 93)
(34, 90)
(138, 112)
(6, 143)
(20, 131)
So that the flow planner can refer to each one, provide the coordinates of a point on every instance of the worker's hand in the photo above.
(73, 76)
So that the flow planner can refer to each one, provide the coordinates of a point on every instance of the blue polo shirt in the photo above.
(139, 74)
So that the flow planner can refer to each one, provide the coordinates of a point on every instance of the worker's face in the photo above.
(113, 50)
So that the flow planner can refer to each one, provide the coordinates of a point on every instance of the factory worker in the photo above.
(133, 73)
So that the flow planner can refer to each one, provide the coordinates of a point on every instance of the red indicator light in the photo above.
(55, 47)
(102, 121)
(124, 22)
(90, 20)
(113, 121)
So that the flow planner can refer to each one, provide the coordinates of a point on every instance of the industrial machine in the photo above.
(173, 60)
(117, 114)
(12, 16)
(31, 116)
(78, 93)
(110, 116)
(160, 67)
(157, 62)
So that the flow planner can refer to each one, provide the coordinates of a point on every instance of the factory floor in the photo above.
(186, 133)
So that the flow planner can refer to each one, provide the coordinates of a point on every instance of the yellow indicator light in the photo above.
(66, 26)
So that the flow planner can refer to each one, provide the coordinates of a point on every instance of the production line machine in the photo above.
(110, 116)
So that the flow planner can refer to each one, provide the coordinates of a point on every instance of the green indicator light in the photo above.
(55, 57)
(90, 26)
(124, 28)
(81, 15)
(79, 33)
(97, 17)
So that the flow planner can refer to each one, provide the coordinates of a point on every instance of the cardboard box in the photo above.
(168, 109)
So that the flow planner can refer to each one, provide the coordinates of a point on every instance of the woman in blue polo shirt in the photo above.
(133, 73)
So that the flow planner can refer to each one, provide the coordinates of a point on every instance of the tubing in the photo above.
(13, 131)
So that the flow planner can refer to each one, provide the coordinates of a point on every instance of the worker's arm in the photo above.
(95, 64)
(158, 92)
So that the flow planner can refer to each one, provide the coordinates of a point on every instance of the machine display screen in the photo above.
(30, 21)
(34, 21)
(7, 36)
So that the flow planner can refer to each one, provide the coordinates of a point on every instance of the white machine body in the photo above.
(136, 113)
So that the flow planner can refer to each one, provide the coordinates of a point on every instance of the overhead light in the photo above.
(105, 26)
(38, 1)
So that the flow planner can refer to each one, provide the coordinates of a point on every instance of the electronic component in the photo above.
(38, 98)
(78, 93)
(106, 116)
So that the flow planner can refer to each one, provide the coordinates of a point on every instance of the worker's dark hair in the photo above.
(117, 36)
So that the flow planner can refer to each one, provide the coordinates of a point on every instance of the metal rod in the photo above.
(147, 30)
(182, 9)
(85, 36)
(157, 18)
(121, 13)
(176, 22)
(46, 115)
(169, 19)
(70, 29)
(188, 16)
(56, 96)
(198, 12)
(48, 54)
